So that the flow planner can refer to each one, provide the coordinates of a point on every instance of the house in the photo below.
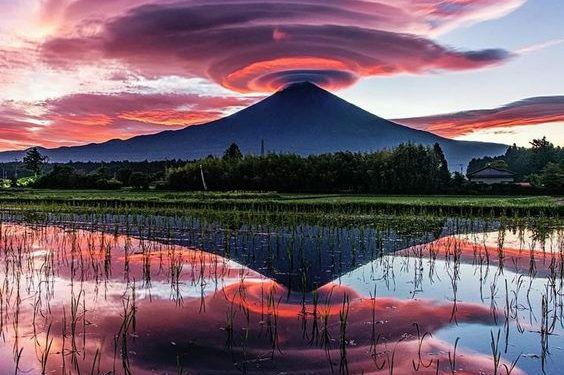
(491, 175)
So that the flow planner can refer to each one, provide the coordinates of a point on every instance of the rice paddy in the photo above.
(242, 291)
(174, 203)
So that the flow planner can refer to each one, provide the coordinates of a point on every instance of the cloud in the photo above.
(72, 71)
(413, 16)
(531, 111)
(539, 46)
(84, 118)
(248, 46)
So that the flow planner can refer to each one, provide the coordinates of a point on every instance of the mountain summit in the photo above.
(301, 118)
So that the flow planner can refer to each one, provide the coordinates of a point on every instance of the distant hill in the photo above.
(302, 118)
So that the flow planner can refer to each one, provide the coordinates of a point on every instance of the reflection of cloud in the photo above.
(203, 344)
(502, 249)
(531, 111)
(248, 47)
(201, 347)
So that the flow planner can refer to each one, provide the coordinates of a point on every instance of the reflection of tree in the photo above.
(540, 234)
(539, 230)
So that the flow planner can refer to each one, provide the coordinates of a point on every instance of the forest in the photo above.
(407, 169)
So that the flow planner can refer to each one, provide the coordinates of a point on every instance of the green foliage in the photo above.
(288, 206)
(443, 173)
(499, 163)
(543, 153)
(123, 174)
(111, 184)
(106, 177)
(458, 183)
(408, 168)
(34, 161)
(26, 181)
(535, 180)
(524, 162)
(139, 180)
(66, 177)
(232, 153)
(21, 182)
(552, 177)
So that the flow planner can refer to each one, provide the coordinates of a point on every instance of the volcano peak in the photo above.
(303, 85)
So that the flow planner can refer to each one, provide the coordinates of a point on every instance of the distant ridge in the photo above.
(301, 118)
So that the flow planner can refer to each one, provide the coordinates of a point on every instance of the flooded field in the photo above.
(185, 296)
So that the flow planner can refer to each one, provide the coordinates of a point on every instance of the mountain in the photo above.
(302, 118)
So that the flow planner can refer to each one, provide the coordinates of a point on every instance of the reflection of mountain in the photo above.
(306, 257)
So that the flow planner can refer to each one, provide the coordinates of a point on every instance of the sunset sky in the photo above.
(81, 71)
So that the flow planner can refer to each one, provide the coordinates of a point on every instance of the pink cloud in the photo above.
(248, 47)
(85, 118)
(531, 111)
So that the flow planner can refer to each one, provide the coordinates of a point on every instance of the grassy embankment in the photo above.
(177, 202)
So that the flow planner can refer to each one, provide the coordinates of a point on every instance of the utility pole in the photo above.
(203, 179)
(262, 148)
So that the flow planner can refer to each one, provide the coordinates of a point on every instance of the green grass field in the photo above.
(316, 203)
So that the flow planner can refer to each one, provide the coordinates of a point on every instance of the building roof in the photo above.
(491, 172)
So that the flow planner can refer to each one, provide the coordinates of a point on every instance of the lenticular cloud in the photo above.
(531, 111)
(261, 46)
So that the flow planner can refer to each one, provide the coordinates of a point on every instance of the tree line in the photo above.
(36, 171)
(108, 176)
(542, 165)
(409, 168)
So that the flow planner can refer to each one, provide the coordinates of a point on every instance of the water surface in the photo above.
(459, 297)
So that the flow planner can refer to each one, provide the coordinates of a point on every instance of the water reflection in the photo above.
(79, 301)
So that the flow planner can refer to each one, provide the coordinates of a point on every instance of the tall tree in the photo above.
(444, 173)
(543, 153)
(540, 144)
(233, 153)
(34, 161)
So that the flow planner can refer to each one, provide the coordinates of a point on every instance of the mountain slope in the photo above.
(302, 119)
